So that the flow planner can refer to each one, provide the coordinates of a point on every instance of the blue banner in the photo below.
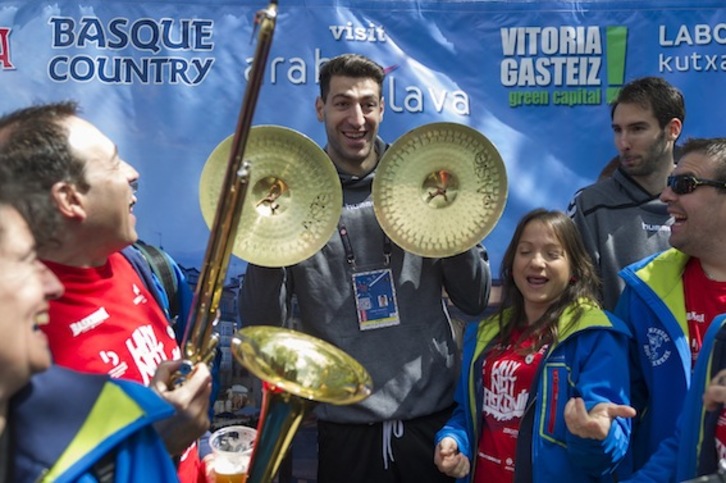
(165, 80)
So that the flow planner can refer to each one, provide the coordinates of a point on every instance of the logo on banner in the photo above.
(371, 33)
(692, 40)
(399, 98)
(5, 62)
(562, 66)
(109, 52)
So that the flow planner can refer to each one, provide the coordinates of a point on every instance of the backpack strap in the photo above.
(105, 469)
(163, 270)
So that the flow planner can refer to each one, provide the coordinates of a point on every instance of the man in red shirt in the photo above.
(109, 320)
(669, 302)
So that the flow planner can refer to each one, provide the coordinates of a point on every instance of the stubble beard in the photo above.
(653, 159)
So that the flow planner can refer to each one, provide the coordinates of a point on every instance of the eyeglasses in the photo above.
(682, 184)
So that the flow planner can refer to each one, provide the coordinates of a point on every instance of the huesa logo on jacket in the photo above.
(656, 349)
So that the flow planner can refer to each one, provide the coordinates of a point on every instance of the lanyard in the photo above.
(350, 256)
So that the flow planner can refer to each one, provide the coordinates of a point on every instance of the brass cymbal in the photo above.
(293, 200)
(439, 189)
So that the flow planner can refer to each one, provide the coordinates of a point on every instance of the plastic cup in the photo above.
(232, 447)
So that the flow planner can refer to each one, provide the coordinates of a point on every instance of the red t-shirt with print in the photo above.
(705, 299)
(507, 377)
(107, 322)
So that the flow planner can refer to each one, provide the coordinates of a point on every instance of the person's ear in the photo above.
(68, 200)
(319, 105)
(674, 128)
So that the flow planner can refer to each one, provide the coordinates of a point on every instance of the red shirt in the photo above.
(721, 435)
(507, 377)
(107, 322)
(705, 299)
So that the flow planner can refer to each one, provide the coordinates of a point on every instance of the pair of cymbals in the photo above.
(438, 191)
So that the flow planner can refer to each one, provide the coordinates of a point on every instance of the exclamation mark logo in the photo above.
(616, 44)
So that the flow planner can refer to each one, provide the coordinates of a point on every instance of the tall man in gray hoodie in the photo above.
(410, 354)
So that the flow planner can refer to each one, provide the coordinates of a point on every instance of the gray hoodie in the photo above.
(620, 224)
(414, 364)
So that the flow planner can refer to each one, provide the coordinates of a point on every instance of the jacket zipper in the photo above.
(553, 405)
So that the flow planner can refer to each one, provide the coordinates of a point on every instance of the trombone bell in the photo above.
(298, 371)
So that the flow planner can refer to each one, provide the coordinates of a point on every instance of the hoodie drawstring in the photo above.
(394, 428)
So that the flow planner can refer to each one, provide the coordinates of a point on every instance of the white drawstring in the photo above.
(394, 428)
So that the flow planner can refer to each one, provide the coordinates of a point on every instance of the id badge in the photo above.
(375, 299)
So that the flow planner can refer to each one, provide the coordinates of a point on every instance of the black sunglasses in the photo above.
(682, 184)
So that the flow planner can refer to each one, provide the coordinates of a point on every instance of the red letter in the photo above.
(5, 48)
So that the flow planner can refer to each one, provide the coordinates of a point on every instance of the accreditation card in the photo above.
(375, 299)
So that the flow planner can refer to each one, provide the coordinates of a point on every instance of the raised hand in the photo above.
(596, 423)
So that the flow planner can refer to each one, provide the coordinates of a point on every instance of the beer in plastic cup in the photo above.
(232, 447)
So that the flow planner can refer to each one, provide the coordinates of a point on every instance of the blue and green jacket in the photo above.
(697, 453)
(653, 306)
(67, 426)
(589, 361)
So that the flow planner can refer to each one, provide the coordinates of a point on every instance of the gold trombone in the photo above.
(199, 341)
(297, 370)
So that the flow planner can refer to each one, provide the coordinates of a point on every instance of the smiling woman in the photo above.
(549, 334)
(25, 287)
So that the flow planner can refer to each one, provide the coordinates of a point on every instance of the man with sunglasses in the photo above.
(620, 218)
(669, 301)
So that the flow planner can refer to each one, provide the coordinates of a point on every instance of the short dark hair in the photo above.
(714, 148)
(653, 93)
(28, 199)
(350, 65)
(34, 150)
